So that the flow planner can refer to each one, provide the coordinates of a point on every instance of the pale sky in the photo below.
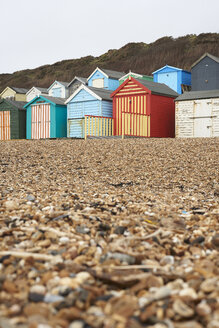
(40, 32)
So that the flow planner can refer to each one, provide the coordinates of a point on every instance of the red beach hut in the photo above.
(144, 109)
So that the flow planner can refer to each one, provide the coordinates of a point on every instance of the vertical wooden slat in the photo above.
(5, 129)
(85, 128)
(88, 132)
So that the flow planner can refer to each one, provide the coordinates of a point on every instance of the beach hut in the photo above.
(17, 94)
(46, 118)
(58, 89)
(205, 73)
(144, 109)
(75, 83)
(197, 114)
(104, 78)
(12, 119)
(89, 112)
(136, 76)
(34, 92)
(175, 78)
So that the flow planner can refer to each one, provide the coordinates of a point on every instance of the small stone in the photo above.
(9, 286)
(189, 293)
(167, 260)
(104, 227)
(161, 293)
(36, 309)
(120, 230)
(209, 285)
(203, 309)
(35, 297)
(215, 240)
(182, 309)
(119, 256)
(64, 240)
(50, 298)
(198, 240)
(38, 289)
(82, 229)
(69, 314)
(14, 309)
(44, 243)
(11, 205)
(83, 276)
(30, 198)
(77, 324)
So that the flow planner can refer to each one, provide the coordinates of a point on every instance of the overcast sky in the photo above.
(39, 32)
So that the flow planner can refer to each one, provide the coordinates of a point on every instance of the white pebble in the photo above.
(39, 289)
(64, 240)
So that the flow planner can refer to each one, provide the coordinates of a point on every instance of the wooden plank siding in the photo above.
(5, 125)
(98, 126)
(40, 121)
(131, 112)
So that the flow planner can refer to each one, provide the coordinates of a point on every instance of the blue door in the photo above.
(76, 128)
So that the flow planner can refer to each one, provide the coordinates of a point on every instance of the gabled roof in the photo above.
(99, 93)
(155, 88)
(113, 74)
(65, 84)
(83, 80)
(53, 100)
(129, 73)
(19, 90)
(16, 104)
(43, 90)
(108, 73)
(193, 95)
(168, 66)
(216, 59)
(102, 93)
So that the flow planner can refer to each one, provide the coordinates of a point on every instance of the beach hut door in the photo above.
(203, 119)
(5, 125)
(40, 121)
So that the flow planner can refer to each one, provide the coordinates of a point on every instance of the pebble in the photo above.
(11, 205)
(50, 298)
(215, 240)
(64, 240)
(162, 292)
(35, 297)
(182, 309)
(82, 229)
(121, 257)
(167, 260)
(203, 309)
(14, 309)
(77, 324)
(30, 198)
(38, 289)
(120, 230)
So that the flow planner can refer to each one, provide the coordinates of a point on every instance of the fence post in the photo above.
(85, 128)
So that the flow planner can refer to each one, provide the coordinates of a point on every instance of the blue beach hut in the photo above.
(175, 78)
(104, 78)
(46, 117)
(89, 112)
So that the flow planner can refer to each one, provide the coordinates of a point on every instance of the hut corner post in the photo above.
(85, 130)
